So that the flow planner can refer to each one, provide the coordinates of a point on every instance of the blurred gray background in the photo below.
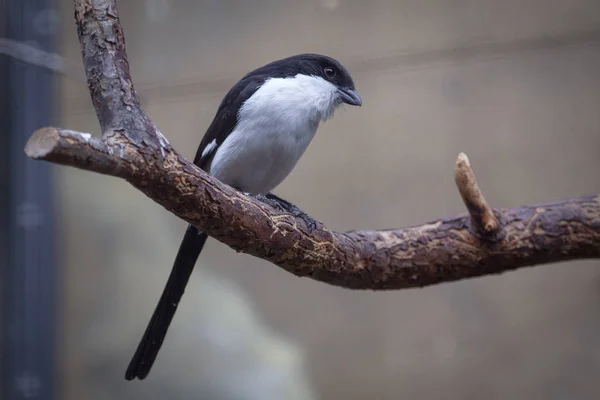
(515, 84)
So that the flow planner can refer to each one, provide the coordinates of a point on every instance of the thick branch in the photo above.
(107, 70)
(440, 251)
(484, 242)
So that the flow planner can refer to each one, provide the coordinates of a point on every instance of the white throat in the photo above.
(300, 96)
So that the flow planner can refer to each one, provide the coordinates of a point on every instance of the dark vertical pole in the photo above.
(4, 197)
(29, 272)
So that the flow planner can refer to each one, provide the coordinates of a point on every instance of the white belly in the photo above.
(257, 158)
(275, 126)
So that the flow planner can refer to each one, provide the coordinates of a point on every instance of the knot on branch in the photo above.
(482, 216)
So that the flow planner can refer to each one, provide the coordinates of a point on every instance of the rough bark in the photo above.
(485, 241)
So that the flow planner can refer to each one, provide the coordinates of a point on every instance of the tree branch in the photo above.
(485, 242)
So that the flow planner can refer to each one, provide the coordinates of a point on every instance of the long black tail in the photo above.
(147, 350)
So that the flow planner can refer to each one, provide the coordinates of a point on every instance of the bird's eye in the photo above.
(329, 72)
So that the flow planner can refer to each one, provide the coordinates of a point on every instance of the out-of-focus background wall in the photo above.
(514, 83)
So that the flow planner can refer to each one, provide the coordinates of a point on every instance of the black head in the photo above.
(313, 64)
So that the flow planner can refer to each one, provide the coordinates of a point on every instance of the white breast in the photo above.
(275, 126)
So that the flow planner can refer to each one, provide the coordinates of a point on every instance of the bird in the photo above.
(262, 127)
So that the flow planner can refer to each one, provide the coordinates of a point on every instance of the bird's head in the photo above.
(312, 82)
(333, 72)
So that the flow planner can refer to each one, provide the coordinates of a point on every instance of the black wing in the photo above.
(226, 118)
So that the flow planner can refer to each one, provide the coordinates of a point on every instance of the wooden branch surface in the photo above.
(485, 241)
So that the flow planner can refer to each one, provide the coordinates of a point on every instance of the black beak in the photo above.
(350, 96)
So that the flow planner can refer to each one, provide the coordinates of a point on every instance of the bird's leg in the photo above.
(283, 205)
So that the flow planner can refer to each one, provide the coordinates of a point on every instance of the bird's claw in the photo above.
(311, 223)
(269, 201)
(285, 206)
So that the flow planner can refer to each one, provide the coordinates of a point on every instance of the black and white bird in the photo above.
(261, 129)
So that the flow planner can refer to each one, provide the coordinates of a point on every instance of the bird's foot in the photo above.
(283, 205)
